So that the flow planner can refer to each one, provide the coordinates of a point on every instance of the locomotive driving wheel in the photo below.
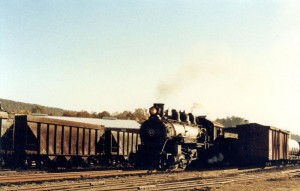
(183, 163)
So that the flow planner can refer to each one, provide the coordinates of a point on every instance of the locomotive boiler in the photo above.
(174, 140)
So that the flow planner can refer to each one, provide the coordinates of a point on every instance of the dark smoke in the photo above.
(185, 75)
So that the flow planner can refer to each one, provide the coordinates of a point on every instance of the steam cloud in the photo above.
(186, 75)
(216, 159)
(212, 60)
(196, 106)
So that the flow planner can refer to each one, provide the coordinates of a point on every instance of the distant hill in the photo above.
(14, 107)
(26, 108)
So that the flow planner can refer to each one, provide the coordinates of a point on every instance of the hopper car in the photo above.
(41, 141)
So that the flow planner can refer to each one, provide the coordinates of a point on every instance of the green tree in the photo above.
(140, 115)
(37, 109)
(124, 115)
(83, 114)
(69, 114)
(24, 112)
(232, 121)
(103, 114)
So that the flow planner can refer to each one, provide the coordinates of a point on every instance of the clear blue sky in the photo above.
(219, 58)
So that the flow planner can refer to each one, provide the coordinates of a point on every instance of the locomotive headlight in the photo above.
(153, 111)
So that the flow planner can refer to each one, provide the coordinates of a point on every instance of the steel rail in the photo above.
(165, 181)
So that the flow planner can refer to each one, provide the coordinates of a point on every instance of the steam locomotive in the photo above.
(176, 140)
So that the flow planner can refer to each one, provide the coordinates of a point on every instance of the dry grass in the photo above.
(273, 184)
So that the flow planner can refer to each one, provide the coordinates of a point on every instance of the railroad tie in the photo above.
(97, 183)
(147, 187)
(85, 176)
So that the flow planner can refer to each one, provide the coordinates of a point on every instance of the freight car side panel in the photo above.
(6, 136)
(285, 145)
(273, 145)
(35, 137)
(120, 143)
(6, 130)
(278, 144)
(65, 140)
(126, 141)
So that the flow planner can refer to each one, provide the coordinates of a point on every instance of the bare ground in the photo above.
(268, 181)
(272, 184)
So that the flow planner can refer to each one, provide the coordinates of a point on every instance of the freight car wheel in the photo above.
(28, 163)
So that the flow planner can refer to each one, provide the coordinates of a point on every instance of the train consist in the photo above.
(167, 140)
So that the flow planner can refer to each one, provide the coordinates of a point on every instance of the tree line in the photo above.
(139, 114)
(28, 108)
(14, 107)
(232, 121)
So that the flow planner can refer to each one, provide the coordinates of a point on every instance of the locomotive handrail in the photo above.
(163, 148)
(181, 122)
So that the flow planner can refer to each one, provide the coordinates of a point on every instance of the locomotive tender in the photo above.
(171, 141)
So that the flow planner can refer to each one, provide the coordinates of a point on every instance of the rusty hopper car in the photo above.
(43, 141)
(5, 126)
(120, 140)
(120, 145)
(261, 145)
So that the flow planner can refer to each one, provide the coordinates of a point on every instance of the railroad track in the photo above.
(37, 178)
(160, 181)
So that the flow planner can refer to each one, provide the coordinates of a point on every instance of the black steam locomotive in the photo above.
(177, 140)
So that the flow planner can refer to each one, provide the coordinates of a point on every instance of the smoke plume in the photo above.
(187, 74)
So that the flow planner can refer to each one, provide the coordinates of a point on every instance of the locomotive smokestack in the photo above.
(160, 107)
